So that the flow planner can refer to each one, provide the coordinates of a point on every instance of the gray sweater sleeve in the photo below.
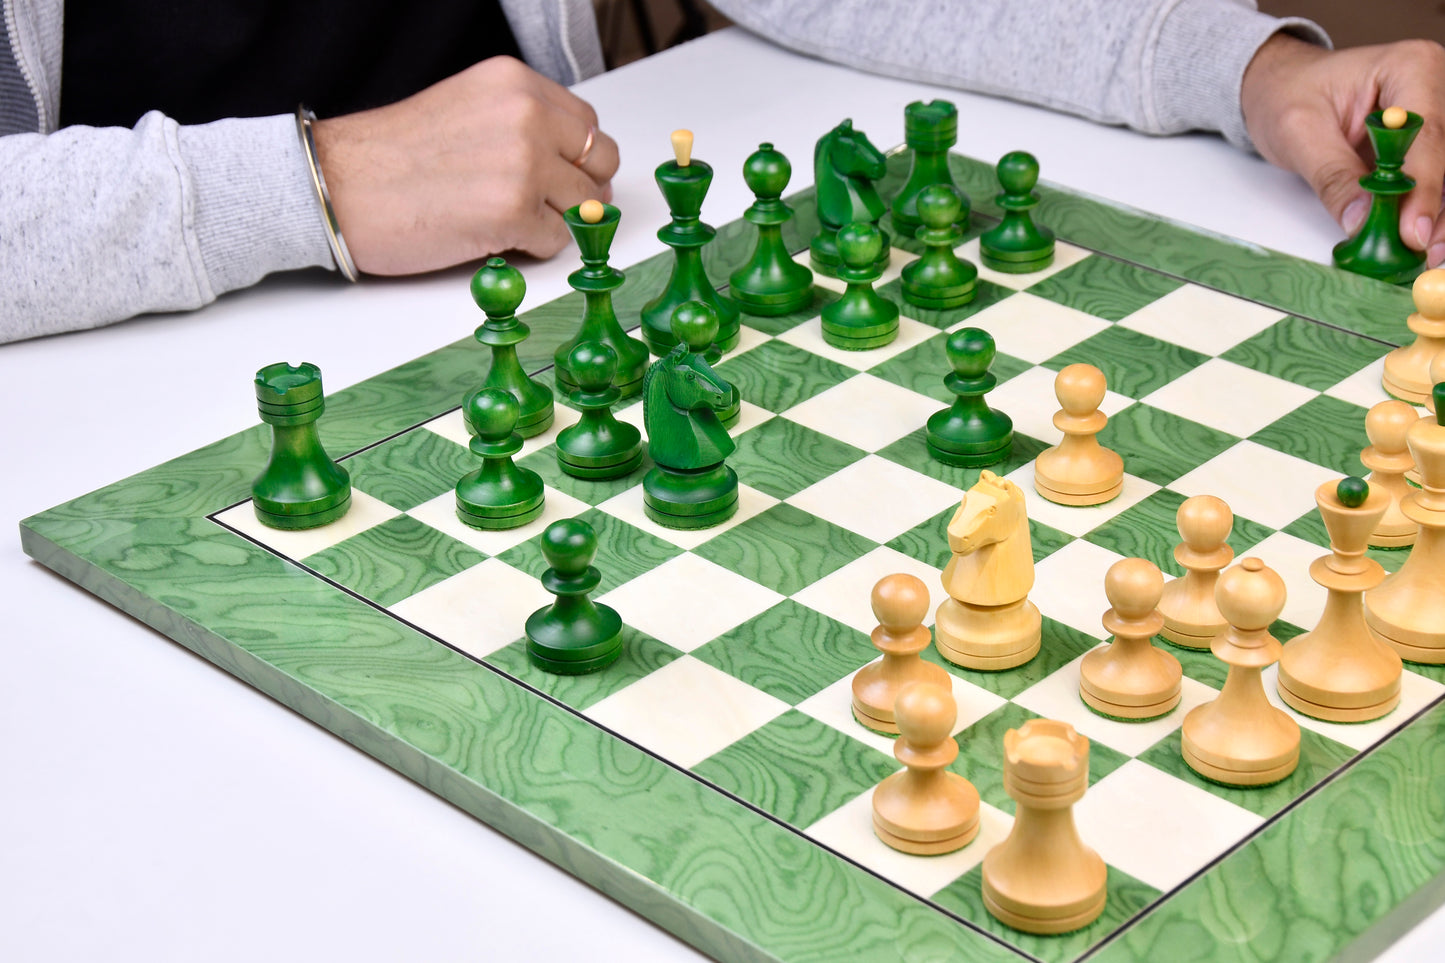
(1159, 66)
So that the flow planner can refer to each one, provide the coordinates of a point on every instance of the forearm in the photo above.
(97, 225)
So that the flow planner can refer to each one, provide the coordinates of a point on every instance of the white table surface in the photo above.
(152, 807)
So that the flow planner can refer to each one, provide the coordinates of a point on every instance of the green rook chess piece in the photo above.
(689, 485)
(499, 494)
(1377, 251)
(301, 486)
(970, 434)
(593, 226)
(498, 289)
(574, 635)
(771, 282)
(1017, 245)
(861, 318)
(939, 279)
(930, 130)
(598, 446)
(684, 183)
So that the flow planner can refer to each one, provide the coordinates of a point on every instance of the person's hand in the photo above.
(1305, 108)
(480, 163)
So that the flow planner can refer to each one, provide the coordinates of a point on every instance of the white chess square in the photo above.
(877, 498)
(453, 427)
(809, 337)
(749, 417)
(864, 411)
(1035, 329)
(1078, 520)
(1416, 692)
(1291, 557)
(686, 711)
(365, 512)
(1065, 255)
(1230, 397)
(1069, 586)
(748, 339)
(1030, 401)
(845, 595)
(898, 259)
(479, 610)
(441, 513)
(1201, 319)
(664, 601)
(1157, 827)
(628, 506)
(1258, 483)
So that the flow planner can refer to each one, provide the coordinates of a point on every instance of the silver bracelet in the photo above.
(339, 253)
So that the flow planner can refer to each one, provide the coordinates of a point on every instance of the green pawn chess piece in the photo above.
(684, 183)
(970, 434)
(689, 485)
(930, 130)
(598, 446)
(939, 279)
(574, 635)
(771, 283)
(861, 318)
(499, 494)
(1377, 251)
(1017, 245)
(593, 226)
(301, 487)
(845, 165)
(498, 289)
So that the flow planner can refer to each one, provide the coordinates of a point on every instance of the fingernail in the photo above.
(1353, 216)
(1436, 255)
(1424, 227)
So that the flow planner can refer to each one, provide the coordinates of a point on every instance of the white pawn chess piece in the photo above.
(925, 809)
(1131, 679)
(1079, 471)
(1191, 619)
(1407, 369)
(900, 603)
(1388, 458)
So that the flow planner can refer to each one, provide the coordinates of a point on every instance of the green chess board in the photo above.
(713, 779)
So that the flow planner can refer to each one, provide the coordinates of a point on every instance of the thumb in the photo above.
(1426, 163)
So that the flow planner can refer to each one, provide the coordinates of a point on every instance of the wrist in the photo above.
(306, 130)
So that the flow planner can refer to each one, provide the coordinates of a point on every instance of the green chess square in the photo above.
(623, 551)
(641, 656)
(1134, 364)
(1306, 353)
(986, 294)
(1061, 644)
(1106, 288)
(820, 651)
(410, 469)
(782, 457)
(593, 491)
(1324, 430)
(394, 560)
(776, 375)
(1162, 446)
(923, 367)
(785, 548)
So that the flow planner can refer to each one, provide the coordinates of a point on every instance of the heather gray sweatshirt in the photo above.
(97, 225)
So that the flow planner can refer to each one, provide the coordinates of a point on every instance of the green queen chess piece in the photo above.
(593, 226)
(770, 283)
(498, 289)
(1377, 250)
(301, 487)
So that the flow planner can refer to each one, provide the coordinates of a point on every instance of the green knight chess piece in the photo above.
(930, 129)
(593, 226)
(301, 487)
(939, 279)
(574, 635)
(684, 182)
(1377, 250)
(771, 282)
(1017, 245)
(862, 318)
(598, 446)
(498, 289)
(970, 434)
(845, 165)
(689, 485)
(500, 494)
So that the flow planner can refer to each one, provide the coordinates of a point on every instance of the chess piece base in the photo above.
(931, 848)
(1222, 756)
(625, 466)
(939, 821)
(1391, 542)
(956, 299)
(1185, 640)
(873, 695)
(1044, 925)
(1123, 713)
(1146, 689)
(1077, 499)
(988, 637)
(689, 500)
(1002, 266)
(1330, 713)
(305, 520)
(471, 515)
(1238, 777)
(974, 459)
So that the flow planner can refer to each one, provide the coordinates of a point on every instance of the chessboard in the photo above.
(714, 779)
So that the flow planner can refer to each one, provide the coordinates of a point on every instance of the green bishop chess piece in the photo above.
(939, 279)
(1377, 250)
(574, 635)
(593, 226)
(301, 487)
(862, 318)
(689, 485)
(500, 494)
(684, 182)
(930, 129)
(970, 434)
(845, 165)
(1017, 245)
(498, 289)
(771, 282)
(598, 446)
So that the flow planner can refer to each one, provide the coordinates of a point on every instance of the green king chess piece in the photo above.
(574, 635)
(684, 183)
(862, 318)
(301, 487)
(1377, 251)
(598, 446)
(593, 226)
(1017, 245)
(498, 289)
(689, 485)
(970, 434)
(939, 279)
(498, 495)
(930, 130)
(845, 165)
(771, 282)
